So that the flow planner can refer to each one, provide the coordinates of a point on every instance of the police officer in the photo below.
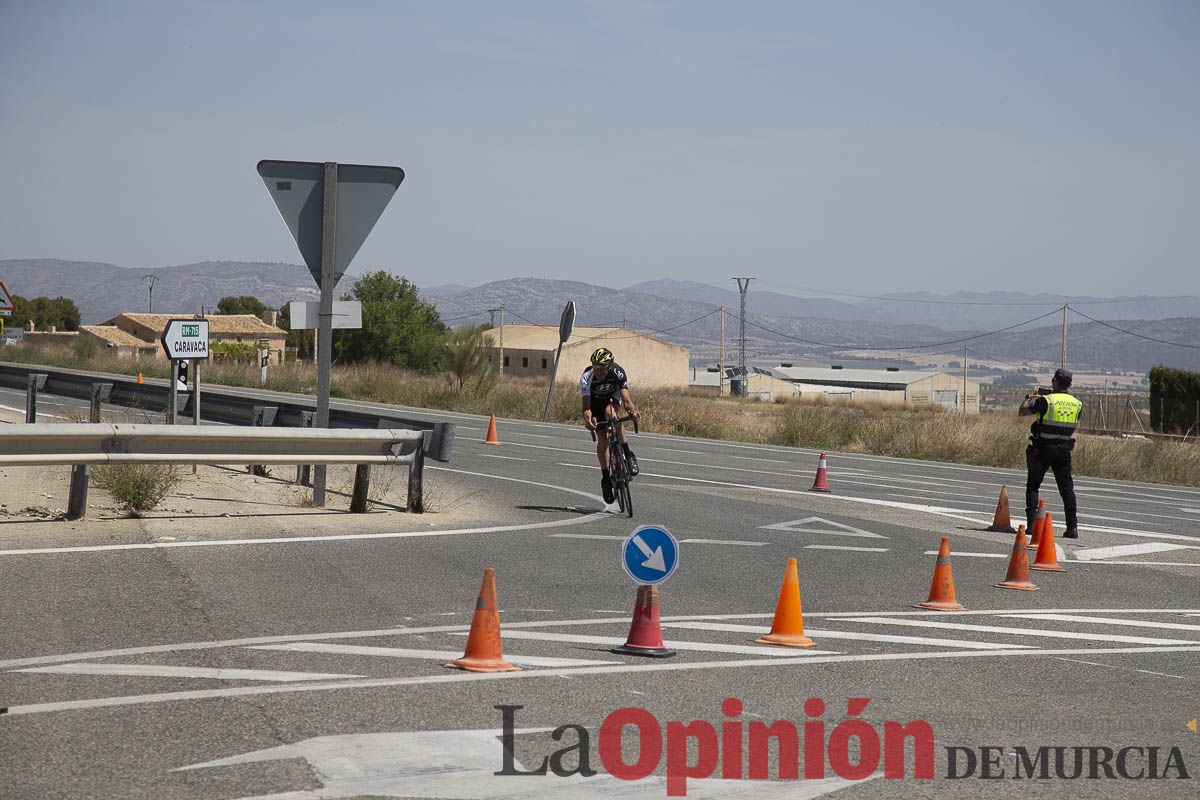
(1051, 440)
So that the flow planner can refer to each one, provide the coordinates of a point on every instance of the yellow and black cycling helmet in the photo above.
(602, 357)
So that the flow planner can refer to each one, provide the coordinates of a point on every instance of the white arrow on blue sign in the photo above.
(650, 554)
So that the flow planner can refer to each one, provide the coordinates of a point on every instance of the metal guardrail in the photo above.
(114, 443)
(228, 405)
(85, 444)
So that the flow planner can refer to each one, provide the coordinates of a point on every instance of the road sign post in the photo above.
(330, 209)
(566, 324)
(650, 555)
(184, 340)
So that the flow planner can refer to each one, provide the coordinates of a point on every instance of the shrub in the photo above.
(137, 487)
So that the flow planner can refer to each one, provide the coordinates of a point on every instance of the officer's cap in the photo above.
(1063, 376)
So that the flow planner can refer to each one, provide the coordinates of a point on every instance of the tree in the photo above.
(467, 357)
(61, 313)
(398, 326)
(241, 305)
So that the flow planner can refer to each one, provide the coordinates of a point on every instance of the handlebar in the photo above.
(609, 422)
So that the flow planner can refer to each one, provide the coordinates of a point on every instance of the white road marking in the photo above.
(506, 458)
(845, 547)
(172, 671)
(462, 764)
(1132, 623)
(462, 628)
(820, 525)
(660, 666)
(1190, 510)
(852, 635)
(1117, 551)
(1126, 669)
(436, 655)
(1064, 560)
(722, 541)
(586, 536)
(959, 626)
(341, 536)
(704, 647)
(40, 412)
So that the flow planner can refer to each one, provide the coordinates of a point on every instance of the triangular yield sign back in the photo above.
(819, 525)
(298, 189)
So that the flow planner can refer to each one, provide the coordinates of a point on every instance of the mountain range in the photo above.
(688, 312)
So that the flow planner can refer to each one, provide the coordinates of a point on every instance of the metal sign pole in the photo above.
(196, 399)
(173, 396)
(325, 319)
(553, 377)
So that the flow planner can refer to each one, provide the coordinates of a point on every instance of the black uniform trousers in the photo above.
(1056, 457)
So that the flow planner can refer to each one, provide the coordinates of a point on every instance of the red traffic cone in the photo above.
(483, 653)
(1002, 521)
(645, 633)
(1038, 521)
(491, 437)
(787, 629)
(941, 589)
(1018, 566)
(1047, 555)
(821, 484)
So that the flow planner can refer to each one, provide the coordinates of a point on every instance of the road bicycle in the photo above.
(619, 464)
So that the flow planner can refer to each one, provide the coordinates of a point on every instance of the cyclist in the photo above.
(604, 386)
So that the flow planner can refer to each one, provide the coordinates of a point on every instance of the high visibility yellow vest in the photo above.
(1057, 423)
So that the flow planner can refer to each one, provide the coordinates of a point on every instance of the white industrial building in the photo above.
(892, 386)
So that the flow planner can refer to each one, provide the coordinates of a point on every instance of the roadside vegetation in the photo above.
(995, 439)
(137, 487)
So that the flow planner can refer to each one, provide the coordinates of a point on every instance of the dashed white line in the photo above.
(406, 652)
(845, 547)
(172, 671)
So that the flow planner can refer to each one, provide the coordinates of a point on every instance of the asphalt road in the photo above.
(313, 668)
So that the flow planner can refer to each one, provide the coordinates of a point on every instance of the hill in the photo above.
(103, 290)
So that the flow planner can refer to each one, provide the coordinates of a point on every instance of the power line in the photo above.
(904, 347)
(1138, 335)
(1057, 304)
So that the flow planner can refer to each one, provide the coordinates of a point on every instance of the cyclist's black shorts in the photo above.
(600, 405)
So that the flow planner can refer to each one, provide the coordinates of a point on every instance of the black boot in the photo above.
(1071, 533)
(606, 488)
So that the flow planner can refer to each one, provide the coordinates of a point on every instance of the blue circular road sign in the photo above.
(650, 554)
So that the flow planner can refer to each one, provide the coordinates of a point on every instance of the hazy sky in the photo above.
(861, 147)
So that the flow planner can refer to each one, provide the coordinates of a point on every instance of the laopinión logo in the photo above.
(741, 750)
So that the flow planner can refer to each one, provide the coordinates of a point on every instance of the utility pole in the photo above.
(150, 280)
(721, 356)
(743, 287)
(964, 396)
(1064, 337)
(501, 309)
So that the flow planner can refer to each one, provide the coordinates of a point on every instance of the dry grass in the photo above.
(990, 439)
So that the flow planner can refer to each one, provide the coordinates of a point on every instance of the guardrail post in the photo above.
(262, 417)
(100, 393)
(416, 474)
(304, 471)
(36, 382)
(77, 500)
(362, 484)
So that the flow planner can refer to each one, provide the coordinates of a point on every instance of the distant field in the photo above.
(995, 439)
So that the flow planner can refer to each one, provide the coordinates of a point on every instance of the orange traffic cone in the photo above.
(941, 589)
(645, 632)
(483, 653)
(788, 628)
(1018, 566)
(491, 433)
(1002, 522)
(1038, 522)
(1047, 555)
(821, 484)
(139, 377)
